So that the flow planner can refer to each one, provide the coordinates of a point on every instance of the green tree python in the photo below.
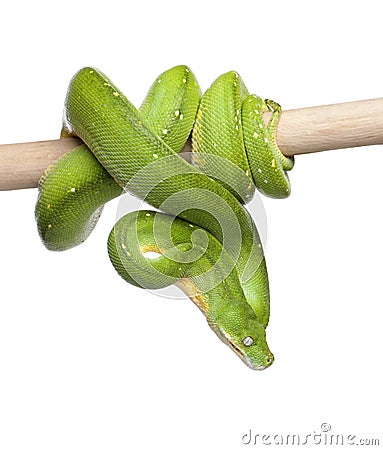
(204, 240)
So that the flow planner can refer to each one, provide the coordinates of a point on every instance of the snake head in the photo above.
(241, 330)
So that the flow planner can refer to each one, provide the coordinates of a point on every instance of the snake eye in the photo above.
(247, 341)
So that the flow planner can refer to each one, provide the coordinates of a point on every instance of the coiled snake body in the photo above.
(206, 241)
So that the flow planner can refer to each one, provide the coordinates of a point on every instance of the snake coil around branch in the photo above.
(205, 240)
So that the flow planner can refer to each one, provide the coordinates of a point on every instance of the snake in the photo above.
(200, 232)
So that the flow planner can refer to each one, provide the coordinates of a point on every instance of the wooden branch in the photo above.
(21, 165)
(305, 130)
(331, 127)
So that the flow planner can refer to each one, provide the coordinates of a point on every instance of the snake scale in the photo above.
(204, 240)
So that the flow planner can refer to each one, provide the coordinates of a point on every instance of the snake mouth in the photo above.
(226, 339)
(244, 358)
(261, 367)
(240, 353)
(247, 361)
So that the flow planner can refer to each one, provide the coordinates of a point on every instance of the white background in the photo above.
(90, 362)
